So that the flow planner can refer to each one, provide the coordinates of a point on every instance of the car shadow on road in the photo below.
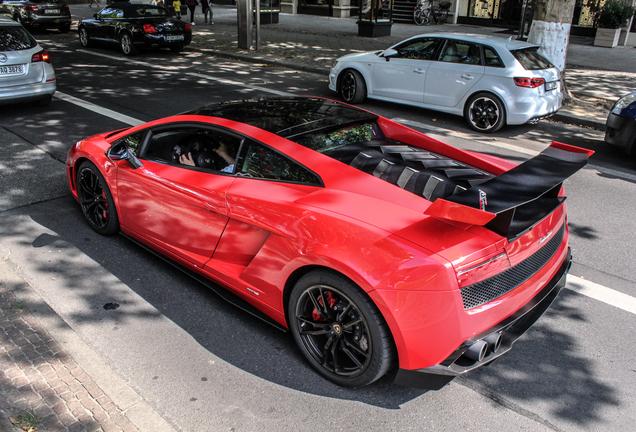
(529, 371)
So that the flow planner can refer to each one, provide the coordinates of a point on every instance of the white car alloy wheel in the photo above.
(485, 113)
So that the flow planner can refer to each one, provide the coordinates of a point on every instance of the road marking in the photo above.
(194, 74)
(99, 110)
(601, 293)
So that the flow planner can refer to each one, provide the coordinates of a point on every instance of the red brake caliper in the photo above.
(331, 300)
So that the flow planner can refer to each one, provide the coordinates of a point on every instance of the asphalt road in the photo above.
(207, 366)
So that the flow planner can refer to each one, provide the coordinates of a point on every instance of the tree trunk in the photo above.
(551, 23)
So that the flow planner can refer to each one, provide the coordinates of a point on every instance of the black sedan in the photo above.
(38, 13)
(135, 26)
(621, 124)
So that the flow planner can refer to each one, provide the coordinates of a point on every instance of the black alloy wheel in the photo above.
(127, 45)
(85, 40)
(339, 329)
(352, 87)
(96, 200)
(485, 113)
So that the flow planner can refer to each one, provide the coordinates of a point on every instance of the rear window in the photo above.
(144, 11)
(530, 59)
(15, 38)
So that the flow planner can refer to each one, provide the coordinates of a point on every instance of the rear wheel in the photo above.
(422, 16)
(65, 28)
(127, 45)
(96, 200)
(485, 113)
(442, 16)
(352, 87)
(339, 330)
(177, 49)
(85, 40)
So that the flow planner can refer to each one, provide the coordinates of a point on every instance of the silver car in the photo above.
(26, 73)
(489, 80)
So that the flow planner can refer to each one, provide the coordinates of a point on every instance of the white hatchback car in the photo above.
(26, 73)
(489, 80)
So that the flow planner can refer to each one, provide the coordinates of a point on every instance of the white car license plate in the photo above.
(174, 38)
(552, 85)
(51, 11)
(10, 70)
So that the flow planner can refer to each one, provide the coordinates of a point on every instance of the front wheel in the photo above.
(352, 87)
(127, 46)
(339, 330)
(96, 200)
(422, 16)
(485, 113)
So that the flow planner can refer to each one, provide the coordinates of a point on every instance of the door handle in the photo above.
(419, 71)
(468, 77)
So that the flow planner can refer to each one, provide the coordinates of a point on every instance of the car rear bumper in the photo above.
(621, 132)
(511, 329)
(26, 93)
(160, 41)
(41, 21)
(531, 109)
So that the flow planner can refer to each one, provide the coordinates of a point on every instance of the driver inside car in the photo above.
(221, 150)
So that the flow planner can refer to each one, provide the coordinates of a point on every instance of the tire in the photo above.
(96, 200)
(339, 330)
(177, 49)
(65, 28)
(485, 113)
(353, 89)
(85, 40)
(127, 46)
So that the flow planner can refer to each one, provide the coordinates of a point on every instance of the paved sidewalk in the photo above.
(38, 378)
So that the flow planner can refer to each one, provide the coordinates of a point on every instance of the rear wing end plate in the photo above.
(516, 200)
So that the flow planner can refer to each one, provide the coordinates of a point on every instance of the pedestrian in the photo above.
(176, 4)
(90, 4)
(192, 5)
(206, 7)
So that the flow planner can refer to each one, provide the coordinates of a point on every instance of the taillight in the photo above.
(149, 28)
(188, 28)
(529, 82)
(41, 56)
(65, 8)
(482, 269)
(31, 8)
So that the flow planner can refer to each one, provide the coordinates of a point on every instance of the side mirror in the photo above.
(387, 54)
(120, 152)
(95, 16)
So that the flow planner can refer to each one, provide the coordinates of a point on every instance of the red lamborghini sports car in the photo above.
(376, 245)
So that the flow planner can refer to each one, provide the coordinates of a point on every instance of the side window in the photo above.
(259, 161)
(196, 147)
(461, 52)
(491, 58)
(111, 13)
(133, 142)
(420, 49)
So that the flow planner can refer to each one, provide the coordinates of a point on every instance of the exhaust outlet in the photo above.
(477, 351)
(494, 341)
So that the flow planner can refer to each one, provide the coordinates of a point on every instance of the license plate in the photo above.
(174, 38)
(51, 11)
(552, 85)
(6, 70)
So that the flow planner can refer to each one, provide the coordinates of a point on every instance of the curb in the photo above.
(143, 417)
(578, 121)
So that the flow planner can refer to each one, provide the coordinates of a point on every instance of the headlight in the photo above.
(334, 64)
(623, 103)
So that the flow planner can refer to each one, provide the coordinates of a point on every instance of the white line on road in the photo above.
(98, 109)
(601, 293)
(194, 74)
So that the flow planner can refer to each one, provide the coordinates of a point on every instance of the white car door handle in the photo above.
(419, 71)
(468, 77)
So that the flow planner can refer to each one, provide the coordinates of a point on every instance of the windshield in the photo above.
(15, 39)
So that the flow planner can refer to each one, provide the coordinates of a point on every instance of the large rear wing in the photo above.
(514, 201)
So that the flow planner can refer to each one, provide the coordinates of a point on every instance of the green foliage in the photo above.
(614, 13)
